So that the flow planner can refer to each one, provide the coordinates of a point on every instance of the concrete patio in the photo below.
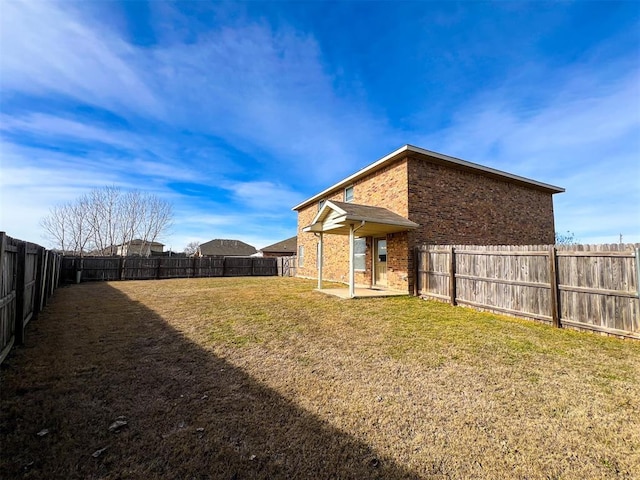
(361, 292)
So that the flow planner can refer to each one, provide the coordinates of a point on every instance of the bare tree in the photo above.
(156, 216)
(80, 227)
(568, 238)
(130, 213)
(104, 208)
(192, 248)
(108, 218)
(56, 226)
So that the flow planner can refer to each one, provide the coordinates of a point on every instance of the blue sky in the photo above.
(236, 111)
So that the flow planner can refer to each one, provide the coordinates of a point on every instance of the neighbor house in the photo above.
(365, 227)
(226, 248)
(138, 247)
(285, 248)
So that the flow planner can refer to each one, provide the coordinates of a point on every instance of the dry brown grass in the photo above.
(287, 383)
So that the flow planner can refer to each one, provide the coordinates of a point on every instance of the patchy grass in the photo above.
(264, 378)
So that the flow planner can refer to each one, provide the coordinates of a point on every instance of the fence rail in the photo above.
(592, 287)
(29, 274)
(76, 269)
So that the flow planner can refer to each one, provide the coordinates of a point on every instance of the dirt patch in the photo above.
(263, 378)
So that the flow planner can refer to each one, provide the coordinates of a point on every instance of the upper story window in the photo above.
(348, 194)
(321, 204)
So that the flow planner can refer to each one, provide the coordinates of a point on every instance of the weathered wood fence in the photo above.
(287, 266)
(29, 274)
(76, 269)
(592, 287)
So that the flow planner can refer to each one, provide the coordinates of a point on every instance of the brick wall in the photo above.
(461, 207)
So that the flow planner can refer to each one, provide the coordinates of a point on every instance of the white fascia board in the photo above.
(322, 213)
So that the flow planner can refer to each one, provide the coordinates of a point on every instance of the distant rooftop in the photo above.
(226, 248)
(289, 245)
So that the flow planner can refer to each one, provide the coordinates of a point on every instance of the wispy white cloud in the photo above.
(264, 195)
(46, 126)
(48, 47)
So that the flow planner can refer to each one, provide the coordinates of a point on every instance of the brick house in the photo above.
(410, 197)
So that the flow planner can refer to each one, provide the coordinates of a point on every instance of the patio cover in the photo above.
(341, 218)
(338, 217)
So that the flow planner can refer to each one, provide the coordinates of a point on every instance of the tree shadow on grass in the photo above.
(95, 355)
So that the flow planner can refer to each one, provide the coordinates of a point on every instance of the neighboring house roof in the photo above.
(433, 157)
(227, 248)
(289, 245)
(337, 217)
(138, 241)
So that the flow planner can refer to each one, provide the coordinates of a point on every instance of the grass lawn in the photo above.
(243, 378)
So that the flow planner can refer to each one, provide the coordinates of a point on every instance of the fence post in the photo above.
(121, 269)
(21, 265)
(416, 268)
(55, 266)
(638, 271)
(43, 281)
(48, 276)
(452, 275)
(37, 295)
(158, 269)
(553, 280)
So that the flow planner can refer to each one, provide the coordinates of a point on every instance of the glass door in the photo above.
(380, 262)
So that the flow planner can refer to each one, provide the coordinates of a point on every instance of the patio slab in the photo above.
(362, 292)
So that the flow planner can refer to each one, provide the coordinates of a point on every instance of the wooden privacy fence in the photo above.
(28, 276)
(592, 287)
(141, 268)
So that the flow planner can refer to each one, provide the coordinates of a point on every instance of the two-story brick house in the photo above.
(365, 227)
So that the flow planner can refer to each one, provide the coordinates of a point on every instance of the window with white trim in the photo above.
(359, 254)
(348, 194)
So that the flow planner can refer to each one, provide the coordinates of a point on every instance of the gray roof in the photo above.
(226, 248)
(337, 218)
(368, 212)
(289, 245)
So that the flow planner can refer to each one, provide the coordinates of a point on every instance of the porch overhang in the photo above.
(338, 218)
